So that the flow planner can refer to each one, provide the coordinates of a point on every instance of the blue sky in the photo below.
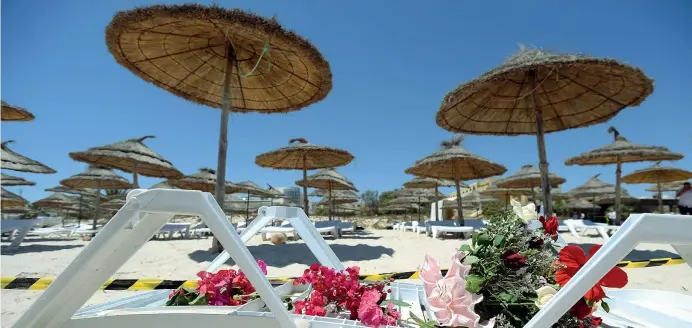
(392, 61)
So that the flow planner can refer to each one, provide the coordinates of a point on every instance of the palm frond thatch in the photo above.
(300, 154)
(16, 162)
(15, 113)
(528, 177)
(96, 177)
(10, 180)
(204, 180)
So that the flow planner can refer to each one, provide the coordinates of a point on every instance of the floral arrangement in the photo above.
(224, 288)
(332, 292)
(508, 273)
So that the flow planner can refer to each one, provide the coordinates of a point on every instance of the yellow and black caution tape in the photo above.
(152, 284)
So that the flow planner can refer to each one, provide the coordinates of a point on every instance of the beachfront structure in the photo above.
(293, 193)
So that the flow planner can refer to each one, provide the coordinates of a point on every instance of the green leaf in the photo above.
(201, 299)
(397, 303)
(474, 283)
(605, 306)
(507, 297)
(499, 239)
(471, 259)
(474, 239)
(466, 248)
(422, 323)
(483, 239)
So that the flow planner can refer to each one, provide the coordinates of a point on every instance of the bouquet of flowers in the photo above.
(332, 292)
(508, 273)
(224, 288)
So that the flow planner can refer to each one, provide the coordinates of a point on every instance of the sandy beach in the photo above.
(373, 251)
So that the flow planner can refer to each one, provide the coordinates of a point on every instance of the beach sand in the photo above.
(377, 251)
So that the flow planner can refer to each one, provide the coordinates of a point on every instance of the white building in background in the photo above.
(294, 194)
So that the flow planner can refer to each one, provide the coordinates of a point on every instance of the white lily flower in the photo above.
(526, 213)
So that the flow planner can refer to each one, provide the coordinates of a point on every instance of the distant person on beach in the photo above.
(685, 199)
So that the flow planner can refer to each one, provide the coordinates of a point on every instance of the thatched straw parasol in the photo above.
(425, 195)
(301, 155)
(528, 177)
(98, 178)
(554, 194)
(251, 188)
(422, 182)
(15, 210)
(89, 193)
(204, 180)
(505, 193)
(114, 204)
(15, 162)
(131, 156)
(409, 202)
(538, 92)
(622, 151)
(671, 186)
(15, 113)
(455, 163)
(625, 198)
(658, 174)
(276, 193)
(580, 204)
(327, 179)
(593, 188)
(10, 180)
(10, 199)
(212, 56)
(56, 200)
(163, 185)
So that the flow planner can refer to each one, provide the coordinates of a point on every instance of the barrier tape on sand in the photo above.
(152, 284)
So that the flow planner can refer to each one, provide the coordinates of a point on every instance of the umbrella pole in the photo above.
(330, 202)
(247, 207)
(593, 208)
(97, 205)
(618, 201)
(459, 206)
(220, 189)
(660, 198)
(437, 208)
(305, 188)
(418, 208)
(79, 217)
(506, 201)
(540, 138)
(135, 181)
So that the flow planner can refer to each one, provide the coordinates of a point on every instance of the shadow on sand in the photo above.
(298, 253)
(35, 248)
(637, 255)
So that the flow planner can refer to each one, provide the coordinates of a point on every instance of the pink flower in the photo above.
(263, 266)
(447, 296)
(370, 314)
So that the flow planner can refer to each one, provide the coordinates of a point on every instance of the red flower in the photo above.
(573, 258)
(595, 321)
(513, 260)
(580, 309)
(550, 226)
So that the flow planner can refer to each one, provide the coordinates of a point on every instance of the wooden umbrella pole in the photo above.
(247, 207)
(660, 196)
(135, 180)
(418, 208)
(330, 202)
(97, 205)
(506, 201)
(220, 189)
(593, 207)
(459, 205)
(618, 200)
(540, 138)
(437, 208)
(79, 217)
(305, 188)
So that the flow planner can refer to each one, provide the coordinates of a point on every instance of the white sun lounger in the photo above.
(53, 231)
(410, 226)
(437, 228)
(17, 230)
(169, 229)
(328, 227)
(346, 227)
(578, 228)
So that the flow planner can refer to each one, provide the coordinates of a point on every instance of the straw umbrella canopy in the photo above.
(204, 180)
(580, 204)
(15, 210)
(211, 56)
(55, 199)
(10, 180)
(671, 186)
(424, 195)
(131, 156)
(15, 162)
(409, 202)
(422, 182)
(114, 204)
(657, 174)
(536, 92)
(15, 113)
(593, 188)
(528, 177)
(163, 185)
(554, 194)
(455, 163)
(301, 155)
(327, 179)
(10, 199)
(339, 194)
(625, 198)
(622, 151)
(251, 188)
(98, 178)
(505, 193)
(84, 192)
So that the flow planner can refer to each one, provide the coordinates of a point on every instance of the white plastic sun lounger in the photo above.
(169, 229)
(17, 230)
(346, 227)
(410, 226)
(328, 228)
(52, 231)
(578, 228)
